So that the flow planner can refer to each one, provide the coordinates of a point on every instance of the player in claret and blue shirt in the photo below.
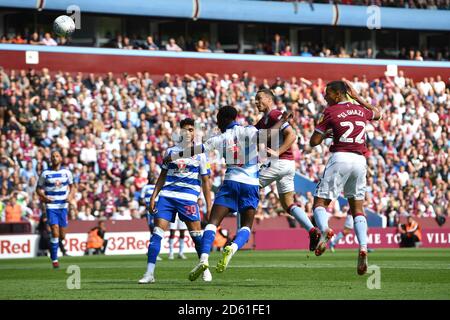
(346, 168)
(55, 188)
(240, 189)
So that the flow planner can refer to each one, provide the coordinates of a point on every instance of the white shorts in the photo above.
(178, 225)
(344, 172)
(348, 222)
(282, 171)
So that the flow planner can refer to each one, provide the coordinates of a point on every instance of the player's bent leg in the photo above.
(218, 212)
(242, 237)
(196, 234)
(287, 201)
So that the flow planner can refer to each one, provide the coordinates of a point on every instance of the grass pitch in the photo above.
(251, 275)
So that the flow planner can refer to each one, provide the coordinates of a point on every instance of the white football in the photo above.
(63, 26)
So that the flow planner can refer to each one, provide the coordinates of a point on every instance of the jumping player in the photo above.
(55, 188)
(282, 168)
(178, 187)
(346, 168)
(240, 189)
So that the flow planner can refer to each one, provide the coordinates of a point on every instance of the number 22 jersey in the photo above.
(348, 123)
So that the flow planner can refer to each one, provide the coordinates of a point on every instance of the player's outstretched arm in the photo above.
(354, 94)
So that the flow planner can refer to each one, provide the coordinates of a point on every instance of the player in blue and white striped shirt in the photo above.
(178, 187)
(55, 188)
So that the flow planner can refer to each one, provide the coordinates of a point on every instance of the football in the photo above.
(63, 26)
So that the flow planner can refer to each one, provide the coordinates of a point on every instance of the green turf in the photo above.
(405, 274)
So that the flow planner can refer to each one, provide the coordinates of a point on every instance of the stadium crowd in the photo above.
(113, 132)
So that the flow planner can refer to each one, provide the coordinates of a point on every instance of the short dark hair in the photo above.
(267, 92)
(187, 122)
(337, 86)
(227, 113)
(55, 150)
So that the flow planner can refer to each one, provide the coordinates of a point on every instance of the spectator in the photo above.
(48, 40)
(150, 44)
(18, 39)
(355, 53)
(278, 45)
(127, 44)
(260, 49)
(343, 53)
(35, 39)
(305, 52)
(287, 51)
(118, 42)
(96, 243)
(13, 210)
(418, 56)
(410, 234)
(5, 39)
(172, 46)
(218, 48)
(201, 47)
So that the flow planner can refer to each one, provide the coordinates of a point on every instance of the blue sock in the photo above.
(242, 237)
(300, 215)
(321, 217)
(54, 245)
(197, 238)
(360, 225)
(154, 247)
(338, 237)
(208, 238)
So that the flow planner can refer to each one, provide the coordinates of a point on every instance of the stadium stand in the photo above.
(113, 132)
(278, 46)
(407, 4)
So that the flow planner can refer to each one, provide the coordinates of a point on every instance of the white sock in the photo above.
(321, 217)
(300, 215)
(360, 225)
(234, 248)
(150, 268)
(204, 257)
